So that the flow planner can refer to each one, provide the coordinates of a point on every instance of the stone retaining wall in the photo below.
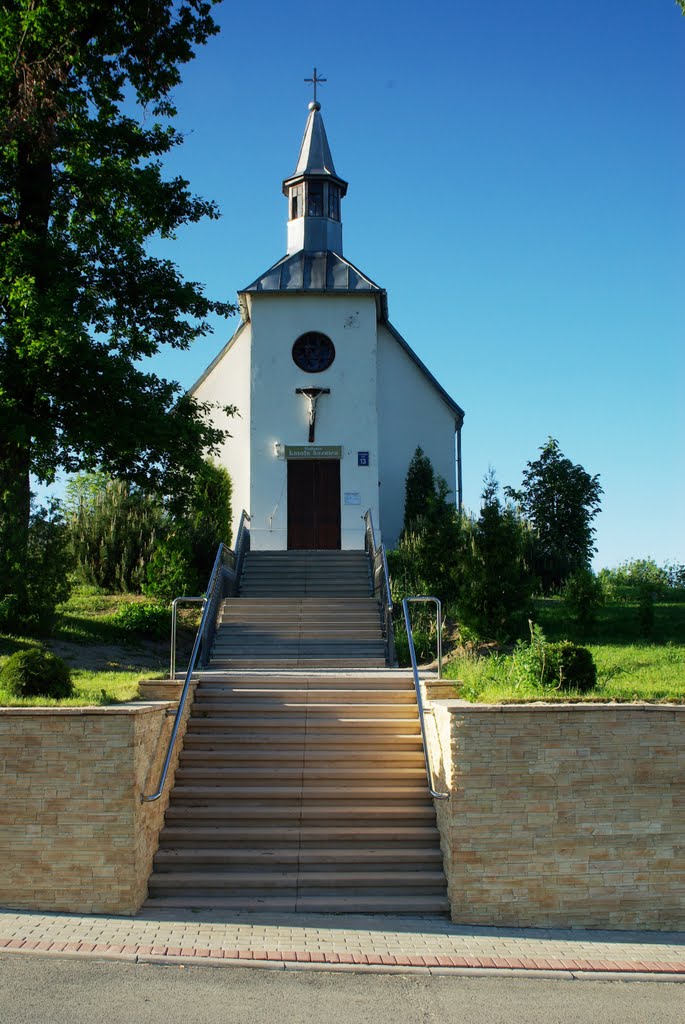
(568, 815)
(74, 835)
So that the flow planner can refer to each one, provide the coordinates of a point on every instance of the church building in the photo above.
(332, 400)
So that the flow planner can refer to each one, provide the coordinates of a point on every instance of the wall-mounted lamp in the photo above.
(279, 449)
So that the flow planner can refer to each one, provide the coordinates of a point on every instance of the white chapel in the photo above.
(332, 400)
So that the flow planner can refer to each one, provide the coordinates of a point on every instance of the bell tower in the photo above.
(314, 192)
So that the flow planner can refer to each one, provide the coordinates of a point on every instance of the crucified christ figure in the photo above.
(312, 395)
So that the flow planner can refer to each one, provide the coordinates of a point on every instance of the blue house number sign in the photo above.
(362, 458)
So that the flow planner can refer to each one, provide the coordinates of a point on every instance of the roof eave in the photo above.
(217, 359)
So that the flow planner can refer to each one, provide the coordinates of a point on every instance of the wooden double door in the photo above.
(313, 503)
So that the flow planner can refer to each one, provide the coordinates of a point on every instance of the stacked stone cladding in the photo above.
(559, 815)
(74, 834)
(568, 815)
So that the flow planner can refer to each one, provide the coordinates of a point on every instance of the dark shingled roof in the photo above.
(313, 272)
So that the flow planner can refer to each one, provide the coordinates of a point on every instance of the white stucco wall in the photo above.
(227, 382)
(411, 414)
(346, 417)
(380, 403)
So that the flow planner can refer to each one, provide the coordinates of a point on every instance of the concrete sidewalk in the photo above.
(354, 942)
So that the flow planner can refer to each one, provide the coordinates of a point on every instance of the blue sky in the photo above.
(516, 184)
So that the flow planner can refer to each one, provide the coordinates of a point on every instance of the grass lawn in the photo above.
(107, 661)
(628, 668)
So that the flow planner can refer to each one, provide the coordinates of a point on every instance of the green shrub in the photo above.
(45, 582)
(629, 580)
(419, 490)
(208, 522)
(35, 672)
(146, 619)
(112, 527)
(170, 572)
(496, 585)
(561, 665)
(572, 666)
(11, 617)
(529, 662)
(425, 646)
(645, 611)
(676, 580)
(583, 596)
(428, 556)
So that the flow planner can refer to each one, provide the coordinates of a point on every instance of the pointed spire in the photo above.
(314, 192)
(315, 154)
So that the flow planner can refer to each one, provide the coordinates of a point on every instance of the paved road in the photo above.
(35, 990)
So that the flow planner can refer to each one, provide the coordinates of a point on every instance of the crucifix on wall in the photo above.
(312, 395)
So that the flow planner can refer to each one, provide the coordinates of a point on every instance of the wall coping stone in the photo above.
(131, 708)
(457, 706)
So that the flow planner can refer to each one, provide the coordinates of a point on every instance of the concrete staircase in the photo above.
(301, 790)
(322, 574)
(301, 610)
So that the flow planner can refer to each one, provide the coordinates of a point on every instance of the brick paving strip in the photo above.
(148, 953)
(322, 942)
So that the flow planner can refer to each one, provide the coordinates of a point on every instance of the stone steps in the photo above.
(333, 902)
(331, 574)
(301, 784)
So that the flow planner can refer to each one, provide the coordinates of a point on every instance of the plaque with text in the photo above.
(313, 451)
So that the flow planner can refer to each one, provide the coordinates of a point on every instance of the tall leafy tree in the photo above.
(560, 500)
(85, 118)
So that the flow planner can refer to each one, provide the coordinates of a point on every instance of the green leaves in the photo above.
(496, 582)
(560, 500)
(81, 300)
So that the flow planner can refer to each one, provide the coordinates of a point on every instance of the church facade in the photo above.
(332, 401)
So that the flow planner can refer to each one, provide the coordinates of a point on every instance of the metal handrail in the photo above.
(174, 619)
(207, 620)
(376, 552)
(241, 542)
(200, 636)
(438, 622)
(436, 794)
(370, 532)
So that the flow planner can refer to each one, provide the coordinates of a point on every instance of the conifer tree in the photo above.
(560, 500)
(419, 488)
(496, 582)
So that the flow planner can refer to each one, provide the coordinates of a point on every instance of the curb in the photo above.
(465, 966)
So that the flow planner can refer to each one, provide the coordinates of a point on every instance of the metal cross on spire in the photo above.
(315, 81)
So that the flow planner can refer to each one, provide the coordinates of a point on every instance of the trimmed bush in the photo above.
(36, 672)
(574, 667)
(146, 619)
(561, 665)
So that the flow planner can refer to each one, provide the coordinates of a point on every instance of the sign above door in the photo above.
(313, 451)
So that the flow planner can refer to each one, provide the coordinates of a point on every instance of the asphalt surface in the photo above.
(48, 990)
